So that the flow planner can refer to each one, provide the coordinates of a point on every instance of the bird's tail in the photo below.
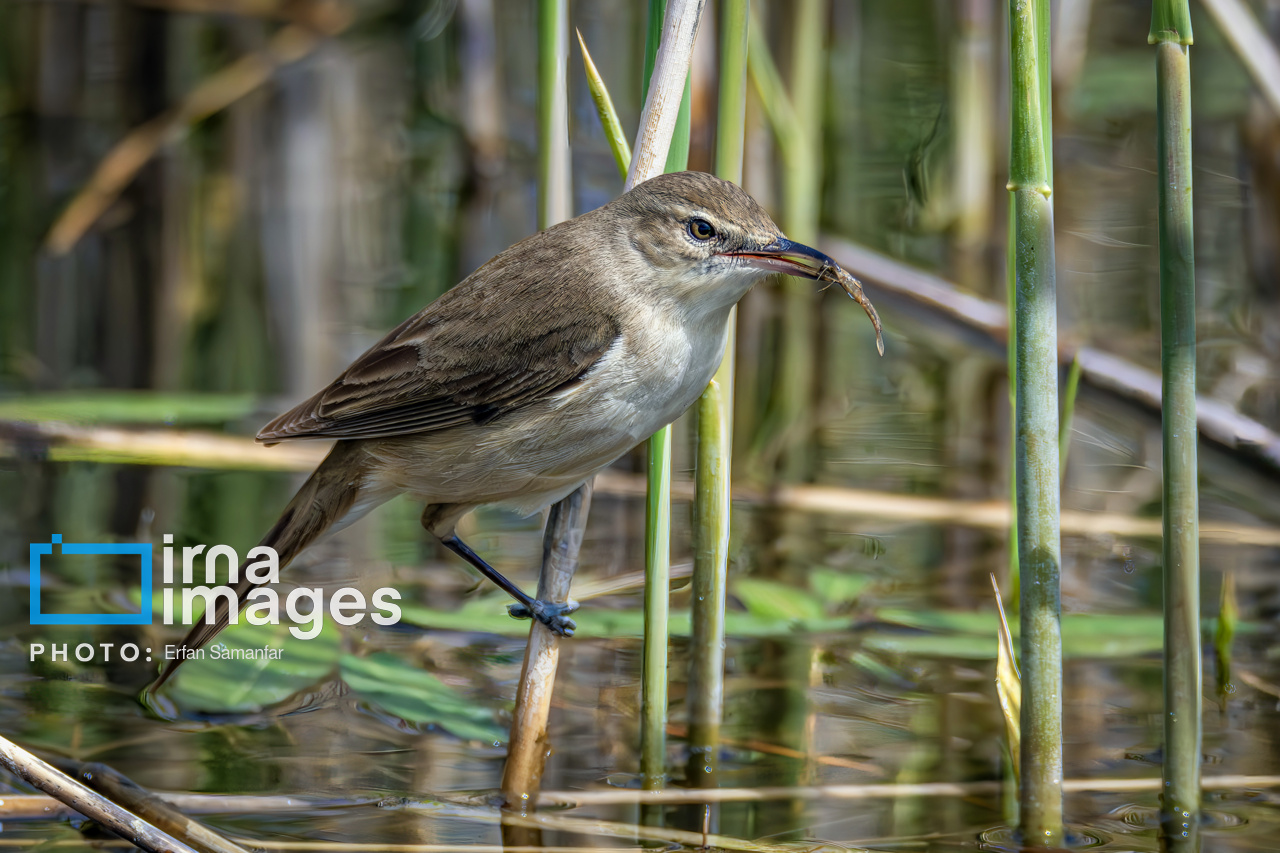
(327, 498)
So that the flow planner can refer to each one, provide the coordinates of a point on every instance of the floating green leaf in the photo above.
(225, 681)
(774, 601)
(404, 691)
(838, 588)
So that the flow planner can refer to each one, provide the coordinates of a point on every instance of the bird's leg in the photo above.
(554, 616)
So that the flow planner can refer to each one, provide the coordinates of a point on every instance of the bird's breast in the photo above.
(659, 366)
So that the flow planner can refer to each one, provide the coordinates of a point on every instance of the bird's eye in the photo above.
(700, 229)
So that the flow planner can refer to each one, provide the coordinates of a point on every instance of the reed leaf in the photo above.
(1008, 684)
(613, 132)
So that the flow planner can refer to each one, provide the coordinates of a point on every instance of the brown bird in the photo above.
(538, 370)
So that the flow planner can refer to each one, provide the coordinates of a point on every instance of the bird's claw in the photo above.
(552, 614)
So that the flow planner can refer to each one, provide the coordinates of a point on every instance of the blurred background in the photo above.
(226, 201)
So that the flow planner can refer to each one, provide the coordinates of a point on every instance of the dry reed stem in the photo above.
(528, 750)
(662, 106)
(88, 803)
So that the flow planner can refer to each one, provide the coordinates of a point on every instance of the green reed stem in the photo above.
(653, 702)
(657, 592)
(652, 38)
(1180, 805)
(710, 580)
(715, 445)
(1036, 348)
(555, 187)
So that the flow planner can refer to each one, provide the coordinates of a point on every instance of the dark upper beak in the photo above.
(784, 256)
(789, 258)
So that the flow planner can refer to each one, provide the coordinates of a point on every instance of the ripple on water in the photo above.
(1007, 838)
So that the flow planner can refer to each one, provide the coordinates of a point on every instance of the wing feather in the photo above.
(480, 351)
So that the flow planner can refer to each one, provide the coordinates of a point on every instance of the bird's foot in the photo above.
(552, 614)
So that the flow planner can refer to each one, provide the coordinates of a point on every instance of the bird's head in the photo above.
(708, 241)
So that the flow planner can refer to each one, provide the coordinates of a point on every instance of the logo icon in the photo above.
(39, 549)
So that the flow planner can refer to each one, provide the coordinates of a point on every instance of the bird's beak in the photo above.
(790, 258)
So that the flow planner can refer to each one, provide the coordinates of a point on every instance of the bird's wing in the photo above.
(469, 357)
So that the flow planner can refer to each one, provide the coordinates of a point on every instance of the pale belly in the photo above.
(536, 456)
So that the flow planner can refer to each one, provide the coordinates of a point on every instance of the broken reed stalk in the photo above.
(89, 803)
(1180, 803)
(715, 445)
(135, 799)
(1036, 384)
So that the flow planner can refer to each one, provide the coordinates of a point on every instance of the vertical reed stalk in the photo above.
(657, 592)
(657, 529)
(526, 755)
(1039, 550)
(715, 444)
(555, 183)
(658, 132)
(1180, 804)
